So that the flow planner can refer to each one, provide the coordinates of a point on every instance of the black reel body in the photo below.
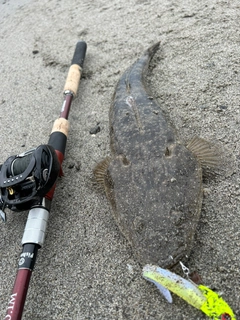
(26, 178)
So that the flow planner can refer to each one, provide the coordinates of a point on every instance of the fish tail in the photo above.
(145, 59)
(153, 49)
(176, 284)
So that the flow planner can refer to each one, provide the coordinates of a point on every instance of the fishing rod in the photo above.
(28, 181)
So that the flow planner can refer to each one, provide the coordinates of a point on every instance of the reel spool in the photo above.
(26, 178)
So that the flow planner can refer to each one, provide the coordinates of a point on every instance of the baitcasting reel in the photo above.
(26, 178)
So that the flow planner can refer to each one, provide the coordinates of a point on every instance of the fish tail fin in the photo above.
(164, 291)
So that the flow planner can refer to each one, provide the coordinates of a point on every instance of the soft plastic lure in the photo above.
(200, 297)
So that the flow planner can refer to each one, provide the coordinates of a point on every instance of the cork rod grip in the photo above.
(73, 79)
(75, 71)
(61, 125)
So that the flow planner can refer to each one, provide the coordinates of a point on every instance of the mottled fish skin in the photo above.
(153, 183)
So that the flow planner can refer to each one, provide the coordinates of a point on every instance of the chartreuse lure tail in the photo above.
(199, 297)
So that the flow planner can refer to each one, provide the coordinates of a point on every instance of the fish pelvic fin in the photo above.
(214, 306)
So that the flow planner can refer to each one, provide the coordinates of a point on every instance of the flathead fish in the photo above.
(153, 183)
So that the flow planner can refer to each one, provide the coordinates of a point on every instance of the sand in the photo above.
(86, 269)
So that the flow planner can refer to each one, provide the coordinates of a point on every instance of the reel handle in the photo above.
(20, 163)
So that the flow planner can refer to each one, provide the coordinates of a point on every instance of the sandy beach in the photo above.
(86, 268)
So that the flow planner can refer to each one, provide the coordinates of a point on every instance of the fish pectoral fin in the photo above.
(205, 152)
(100, 173)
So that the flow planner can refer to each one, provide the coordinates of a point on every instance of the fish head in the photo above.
(156, 203)
(226, 316)
(215, 307)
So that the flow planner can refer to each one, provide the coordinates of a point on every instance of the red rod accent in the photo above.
(60, 159)
(18, 296)
(50, 193)
(66, 105)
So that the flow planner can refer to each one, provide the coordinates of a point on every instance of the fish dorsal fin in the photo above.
(205, 152)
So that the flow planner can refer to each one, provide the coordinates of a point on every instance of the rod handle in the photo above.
(79, 54)
(75, 71)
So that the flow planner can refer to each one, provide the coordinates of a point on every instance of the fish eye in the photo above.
(226, 316)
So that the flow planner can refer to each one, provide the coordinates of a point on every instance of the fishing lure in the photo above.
(200, 297)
